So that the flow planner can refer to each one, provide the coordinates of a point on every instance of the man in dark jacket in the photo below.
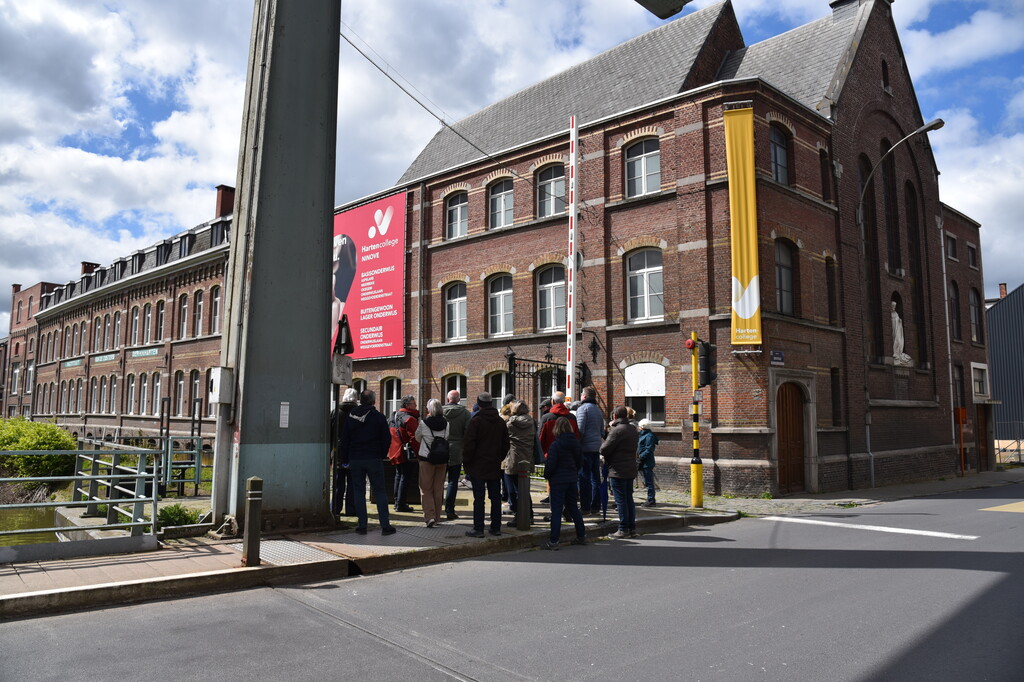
(483, 449)
(366, 438)
(619, 453)
(407, 419)
(458, 419)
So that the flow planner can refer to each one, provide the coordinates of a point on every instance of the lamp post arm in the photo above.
(931, 125)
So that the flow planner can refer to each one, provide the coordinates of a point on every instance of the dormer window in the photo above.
(185, 244)
(163, 253)
(138, 259)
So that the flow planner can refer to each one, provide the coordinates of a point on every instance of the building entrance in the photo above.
(789, 433)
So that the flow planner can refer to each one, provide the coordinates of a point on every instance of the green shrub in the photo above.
(176, 515)
(21, 434)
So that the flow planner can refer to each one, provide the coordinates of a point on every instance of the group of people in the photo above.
(493, 446)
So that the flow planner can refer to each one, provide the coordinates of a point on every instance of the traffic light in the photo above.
(705, 364)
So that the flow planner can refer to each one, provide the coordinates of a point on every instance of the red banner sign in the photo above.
(369, 277)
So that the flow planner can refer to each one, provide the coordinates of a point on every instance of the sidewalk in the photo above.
(195, 566)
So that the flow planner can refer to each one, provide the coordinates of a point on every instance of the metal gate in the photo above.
(535, 380)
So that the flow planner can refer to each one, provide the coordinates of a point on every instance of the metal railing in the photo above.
(1009, 442)
(122, 480)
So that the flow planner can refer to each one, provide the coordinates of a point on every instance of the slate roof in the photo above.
(647, 68)
(808, 63)
(802, 62)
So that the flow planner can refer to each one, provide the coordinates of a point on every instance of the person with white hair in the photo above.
(645, 459)
(431, 474)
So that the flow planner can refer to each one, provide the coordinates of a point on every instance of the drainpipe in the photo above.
(949, 345)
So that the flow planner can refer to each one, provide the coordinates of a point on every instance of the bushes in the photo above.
(176, 515)
(21, 434)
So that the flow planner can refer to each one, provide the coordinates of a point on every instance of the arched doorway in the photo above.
(790, 434)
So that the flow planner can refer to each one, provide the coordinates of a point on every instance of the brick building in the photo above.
(854, 380)
(127, 347)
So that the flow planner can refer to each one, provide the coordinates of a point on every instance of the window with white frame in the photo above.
(979, 381)
(646, 285)
(499, 198)
(104, 403)
(129, 394)
(391, 388)
(456, 223)
(158, 327)
(117, 329)
(143, 395)
(551, 191)
(112, 408)
(455, 311)
(455, 382)
(643, 168)
(196, 396)
(197, 315)
(977, 320)
(215, 310)
(499, 305)
(645, 390)
(107, 329)
(179, 393)
(183, 316)
(15, 374)
(551, 298)
(147, 323)
(498, 384)
(134, 326)
(156, 393)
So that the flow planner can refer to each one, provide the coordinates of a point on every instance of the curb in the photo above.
(51, 602)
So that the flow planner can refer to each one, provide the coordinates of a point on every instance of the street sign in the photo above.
(698, 396)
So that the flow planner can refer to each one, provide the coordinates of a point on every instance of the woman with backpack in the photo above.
(561, 468)
(432, 434)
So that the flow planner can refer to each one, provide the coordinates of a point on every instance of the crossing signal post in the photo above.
(696, 465)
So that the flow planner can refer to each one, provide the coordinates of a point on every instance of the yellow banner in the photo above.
(746, 293)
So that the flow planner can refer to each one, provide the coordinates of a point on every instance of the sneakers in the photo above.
(580, 541)
(553, 546)
(388, 530)
(431, 522)
(474, 533)
(634, 534)
(545, 500)
(620, 534)
(650, 503)
(451, 516)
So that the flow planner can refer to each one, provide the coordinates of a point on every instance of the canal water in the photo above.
(19, 519)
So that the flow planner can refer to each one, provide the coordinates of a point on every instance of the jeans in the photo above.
(453, 487)
(590, 482)
(648, 476)
(563, 497)
(492, 490)
(622, 488)
(372, 469)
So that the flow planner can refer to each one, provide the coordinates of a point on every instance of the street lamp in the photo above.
(931, 125)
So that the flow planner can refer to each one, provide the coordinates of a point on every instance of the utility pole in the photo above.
(274, 381)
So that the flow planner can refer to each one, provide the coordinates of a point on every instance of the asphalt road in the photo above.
(757, 599)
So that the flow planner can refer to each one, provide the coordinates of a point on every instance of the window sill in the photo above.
(488, 340)
(491, 231)
(645, 324)
(642, 199)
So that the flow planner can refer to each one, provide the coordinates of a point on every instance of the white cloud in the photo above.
(987, 34)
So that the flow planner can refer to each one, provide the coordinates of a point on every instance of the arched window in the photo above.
(107, 340)
(113, 407)
(104, 403)
(499, 305)
(196, 394)
(75, 342)
(79, 398)
(456, 221)
(954, 311)
(29, 315)
(134, 327)
(645, 390)
(826, 175)
(147, 323)
(832, 290)
(500, 202)
(159, 324)
(97, 335)
(62, 399)
(872, 291)
(17, 319)
(94, 395)
(645, 285)
(977, 324)
(129, 394)
(643, 168)
(551, 191)
(157, 395)
(455, 311)
(215, 310)
(779, 148)
(211, 408)
(83, 338)
(117, 329)
(391, 389)
(894, 252)
(786, 277)
(455, 382)
(197, 315)
(179, 393)
(143, 394)
(885, 76)
(183, 317)
(551, 298)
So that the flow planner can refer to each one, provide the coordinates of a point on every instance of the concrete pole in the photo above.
(277, 329)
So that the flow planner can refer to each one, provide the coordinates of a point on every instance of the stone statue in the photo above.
(899, 358)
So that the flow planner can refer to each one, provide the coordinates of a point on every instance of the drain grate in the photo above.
(287, 552)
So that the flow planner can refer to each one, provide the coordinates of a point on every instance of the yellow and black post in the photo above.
(696, 465)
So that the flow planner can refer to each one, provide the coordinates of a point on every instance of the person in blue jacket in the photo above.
(561, 468)
(645, 459)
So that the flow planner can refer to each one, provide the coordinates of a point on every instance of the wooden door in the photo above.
(789, 432)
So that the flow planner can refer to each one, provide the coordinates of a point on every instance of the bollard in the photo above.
(253, 512)
(525, 503)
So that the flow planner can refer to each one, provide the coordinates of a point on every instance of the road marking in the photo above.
(1012, 507)
(882, 529)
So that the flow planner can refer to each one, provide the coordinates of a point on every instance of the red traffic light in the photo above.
(691, 344)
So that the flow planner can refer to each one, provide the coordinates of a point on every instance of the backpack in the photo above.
(439, 450)
(398, 453)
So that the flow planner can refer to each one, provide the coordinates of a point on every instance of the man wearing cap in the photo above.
(484, 447)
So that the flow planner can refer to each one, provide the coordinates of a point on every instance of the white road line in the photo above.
(882, 529)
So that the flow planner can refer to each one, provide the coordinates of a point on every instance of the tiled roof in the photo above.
(647, 68)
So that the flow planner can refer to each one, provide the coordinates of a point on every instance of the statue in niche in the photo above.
(899, 358)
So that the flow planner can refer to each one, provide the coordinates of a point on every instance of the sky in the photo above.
(118, 118)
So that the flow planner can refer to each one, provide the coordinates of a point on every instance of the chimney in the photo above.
(15, 288)
(88, 268)
(1002, 290)
(225, 200)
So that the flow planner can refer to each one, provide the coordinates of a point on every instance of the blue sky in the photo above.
(120, 117)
